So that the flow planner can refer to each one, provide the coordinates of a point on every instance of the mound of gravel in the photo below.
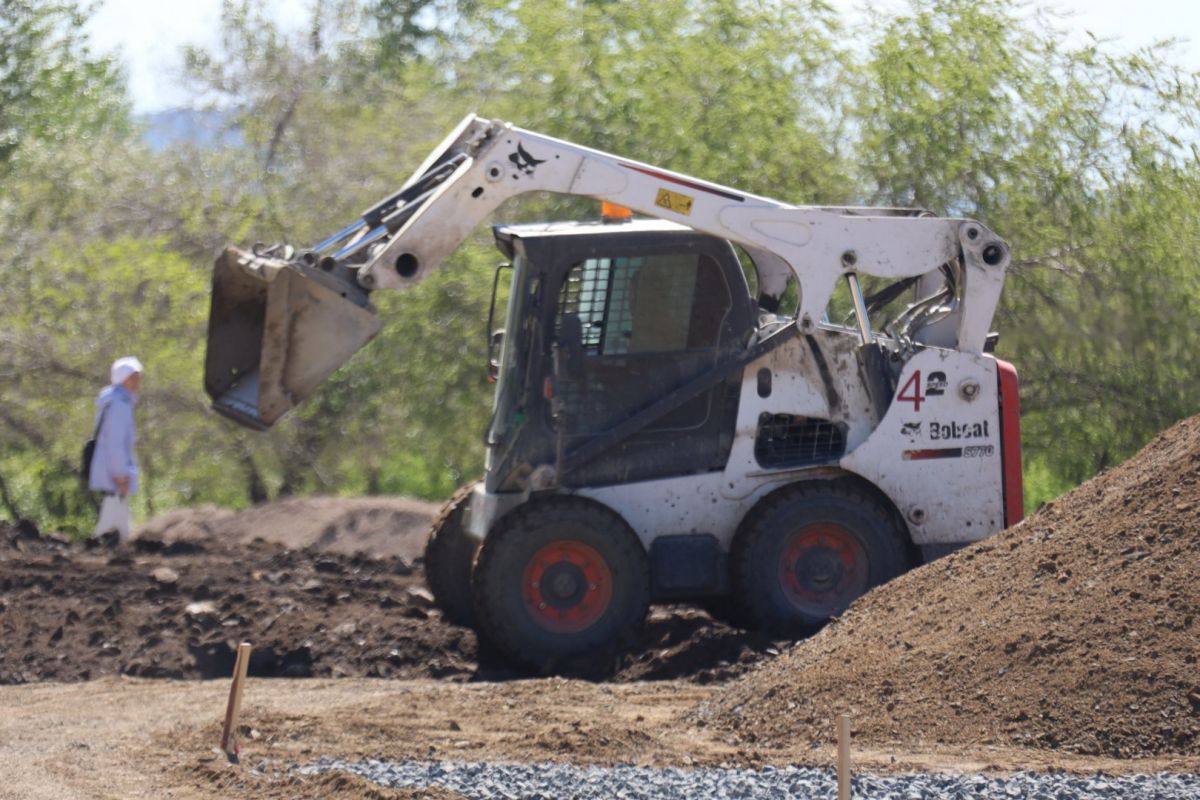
(1076, 630)
(379, 526)
(481, 781)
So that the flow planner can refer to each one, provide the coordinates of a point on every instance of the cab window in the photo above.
(646, 304)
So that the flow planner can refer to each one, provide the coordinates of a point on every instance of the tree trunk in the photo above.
(256, 489)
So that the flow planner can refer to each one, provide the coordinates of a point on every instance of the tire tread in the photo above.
(488, 580)
(449, 557)
(753, 607)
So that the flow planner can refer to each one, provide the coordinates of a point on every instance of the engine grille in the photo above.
(785, 440)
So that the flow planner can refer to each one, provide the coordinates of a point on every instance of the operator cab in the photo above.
(606, 321)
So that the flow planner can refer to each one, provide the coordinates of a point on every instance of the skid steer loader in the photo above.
(661, 433)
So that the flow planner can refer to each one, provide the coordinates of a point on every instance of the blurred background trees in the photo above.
(1084, 157)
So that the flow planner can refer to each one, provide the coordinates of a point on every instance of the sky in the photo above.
(149, 34)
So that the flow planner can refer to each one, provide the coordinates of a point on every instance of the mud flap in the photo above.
(276, 329)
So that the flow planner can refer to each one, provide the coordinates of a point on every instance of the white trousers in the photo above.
(114, 516)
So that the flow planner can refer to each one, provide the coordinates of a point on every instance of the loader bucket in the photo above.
(276, 329)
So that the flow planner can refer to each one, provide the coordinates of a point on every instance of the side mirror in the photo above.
(570, 346)
(495, 348)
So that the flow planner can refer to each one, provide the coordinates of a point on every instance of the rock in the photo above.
(200, 609)
(420, 595)
(165, 576)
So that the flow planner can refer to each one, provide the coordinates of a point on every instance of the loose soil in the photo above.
(1068, 642)
(176, 600)
(122, 738)
(378, 526)
(1075, 631)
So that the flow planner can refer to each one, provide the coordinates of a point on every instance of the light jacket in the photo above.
(114, 456)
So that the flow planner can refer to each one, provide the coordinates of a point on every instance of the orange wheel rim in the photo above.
(567, 586)
(822, 569)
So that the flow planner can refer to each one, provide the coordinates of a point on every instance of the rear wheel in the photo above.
(449, 557)
(560, 578)
(806, 552)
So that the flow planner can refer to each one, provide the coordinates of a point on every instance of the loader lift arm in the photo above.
(313, 312)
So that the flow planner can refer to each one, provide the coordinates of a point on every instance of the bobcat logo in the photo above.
(525, 162)
(911, 429)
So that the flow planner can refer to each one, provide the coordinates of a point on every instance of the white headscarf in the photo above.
(122, 368)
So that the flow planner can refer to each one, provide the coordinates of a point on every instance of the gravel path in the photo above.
(483, 781)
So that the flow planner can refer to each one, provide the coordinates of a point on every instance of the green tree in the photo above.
(56, 101)
(746, 94)
(1075, 155)
(324, 137)
(408, 414)
(1081, 156)
(52, 89)
(405, 30)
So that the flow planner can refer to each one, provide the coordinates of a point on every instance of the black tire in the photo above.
(560, 578)
(807, 551)
(449, 559)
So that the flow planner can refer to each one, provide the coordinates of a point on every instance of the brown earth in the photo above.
(123, 738)
(379, 526)
(1068, 642)
(177, 608)
(1075, 631)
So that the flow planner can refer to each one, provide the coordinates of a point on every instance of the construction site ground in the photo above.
(1068, 642)
(134, 737)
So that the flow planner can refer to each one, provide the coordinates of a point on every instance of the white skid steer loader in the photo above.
(660, 432)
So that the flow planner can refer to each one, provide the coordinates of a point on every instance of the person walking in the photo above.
(114, 469)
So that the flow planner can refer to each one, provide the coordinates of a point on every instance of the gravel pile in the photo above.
(482, 781)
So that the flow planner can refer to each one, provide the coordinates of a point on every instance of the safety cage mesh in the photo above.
(786, 440)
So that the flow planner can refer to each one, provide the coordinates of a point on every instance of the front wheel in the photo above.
(806, 552)
(449, 557)
(560, 578)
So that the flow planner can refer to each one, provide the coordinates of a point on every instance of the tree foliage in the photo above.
(1075, 155)
(745, 94)
(1084, 157)
(52, 90)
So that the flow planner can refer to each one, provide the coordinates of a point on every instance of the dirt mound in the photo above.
(1075, 631)
(380, 526)
(176, 607)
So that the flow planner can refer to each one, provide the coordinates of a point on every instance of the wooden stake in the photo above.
(843, 756)
(229, 735)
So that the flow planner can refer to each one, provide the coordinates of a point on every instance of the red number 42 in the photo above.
(911, 391)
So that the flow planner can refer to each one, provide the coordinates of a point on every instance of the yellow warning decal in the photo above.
(674, 201)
